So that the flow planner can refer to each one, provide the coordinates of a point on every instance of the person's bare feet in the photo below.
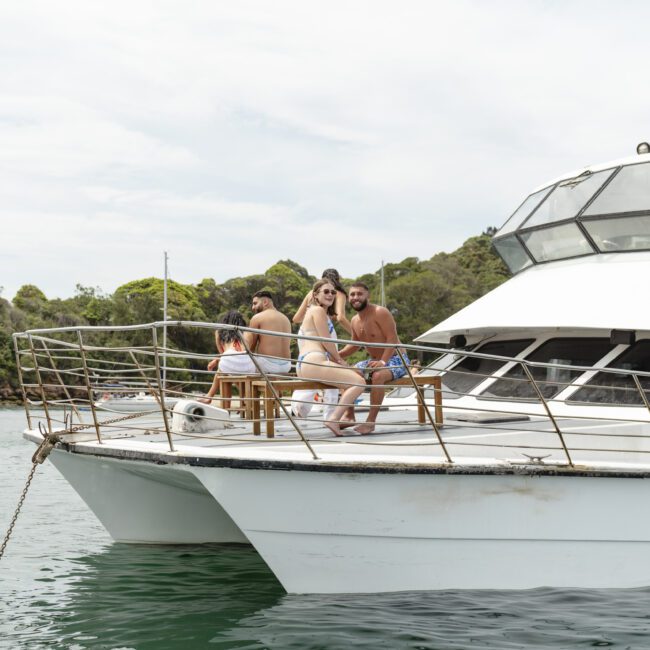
(367, 427)
(345, 423)
(205, 400)
(333, 427)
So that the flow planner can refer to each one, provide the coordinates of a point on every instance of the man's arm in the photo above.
(252, 338)
(351, 348)
(388, 328)
(348, 350)
(341, 318)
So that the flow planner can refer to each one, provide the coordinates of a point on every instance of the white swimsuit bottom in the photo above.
(239, 363)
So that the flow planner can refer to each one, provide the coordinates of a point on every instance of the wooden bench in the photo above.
(262, 396)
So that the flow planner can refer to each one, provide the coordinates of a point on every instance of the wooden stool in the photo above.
(243, 385)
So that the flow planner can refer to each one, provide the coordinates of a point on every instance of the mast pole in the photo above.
(164, 353)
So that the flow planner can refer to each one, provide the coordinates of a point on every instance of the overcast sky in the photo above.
(337, 134)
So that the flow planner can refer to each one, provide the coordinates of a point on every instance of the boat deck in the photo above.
(398, 439)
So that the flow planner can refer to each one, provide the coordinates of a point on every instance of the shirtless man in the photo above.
(374, 324)
(274, 351)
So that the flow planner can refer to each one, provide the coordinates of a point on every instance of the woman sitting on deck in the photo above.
(233, 359)
(320, 360)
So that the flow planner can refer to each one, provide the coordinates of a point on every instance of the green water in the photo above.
(64, 584)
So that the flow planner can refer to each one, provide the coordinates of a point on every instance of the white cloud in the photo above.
(333, 133)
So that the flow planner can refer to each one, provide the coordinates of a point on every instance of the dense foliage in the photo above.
(420, 293)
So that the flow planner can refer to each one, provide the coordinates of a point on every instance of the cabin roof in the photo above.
(598, 209)
(597, 292)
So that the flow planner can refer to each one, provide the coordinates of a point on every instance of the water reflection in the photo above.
(152, 597)
(539, 618)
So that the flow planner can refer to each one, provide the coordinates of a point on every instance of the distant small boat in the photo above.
(140, 402)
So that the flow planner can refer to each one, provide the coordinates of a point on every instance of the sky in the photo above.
(336, 134)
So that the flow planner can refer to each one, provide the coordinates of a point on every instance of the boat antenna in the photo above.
(383, 293)
(164, 354)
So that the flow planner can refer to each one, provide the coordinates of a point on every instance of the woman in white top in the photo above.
(233, 359)
(320, 360)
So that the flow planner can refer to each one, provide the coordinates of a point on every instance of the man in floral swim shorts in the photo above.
(373, 324)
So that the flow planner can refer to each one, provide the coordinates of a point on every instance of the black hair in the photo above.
(231, 317)
(360, 284)
(335, 279)
(263, 294)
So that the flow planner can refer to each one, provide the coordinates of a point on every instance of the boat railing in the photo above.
(65, 372)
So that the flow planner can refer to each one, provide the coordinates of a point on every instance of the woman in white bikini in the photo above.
(303, 400)
(319, 360)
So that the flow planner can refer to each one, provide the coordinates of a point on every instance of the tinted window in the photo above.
(471, 371)
(551, 381)
(606, 388)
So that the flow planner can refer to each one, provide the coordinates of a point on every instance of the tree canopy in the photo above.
(419, 293)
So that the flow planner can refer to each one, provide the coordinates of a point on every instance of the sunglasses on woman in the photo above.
(329, 292)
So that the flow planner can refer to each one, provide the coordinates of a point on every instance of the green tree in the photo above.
(141, 301)
(299, 270)
(238, 292)
(30, 299)
(478, 256)
(287, 286)
(420, 293)
(212, 298)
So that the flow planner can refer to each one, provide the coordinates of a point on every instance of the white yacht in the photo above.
(139, 402)
(532, 478)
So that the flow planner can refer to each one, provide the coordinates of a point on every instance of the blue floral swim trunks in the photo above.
(394, 364)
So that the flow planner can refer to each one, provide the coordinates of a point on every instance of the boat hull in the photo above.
(141, 502)
(330, 532)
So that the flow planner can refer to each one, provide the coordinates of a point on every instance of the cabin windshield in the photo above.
(600, 212)
(567, 199)
(628, 192)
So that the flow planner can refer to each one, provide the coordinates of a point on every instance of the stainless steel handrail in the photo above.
(60, 363)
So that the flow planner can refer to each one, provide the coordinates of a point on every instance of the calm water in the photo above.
(63, 584)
